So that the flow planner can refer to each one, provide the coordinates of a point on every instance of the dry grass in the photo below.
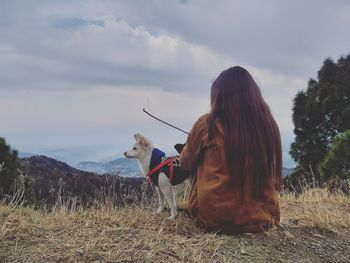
(117, 235)
(316, 207)
(136, 234)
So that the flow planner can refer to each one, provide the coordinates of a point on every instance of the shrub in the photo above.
(9, 165)
(321, 113)
(337, 161)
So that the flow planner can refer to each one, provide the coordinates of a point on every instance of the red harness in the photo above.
(161, 165)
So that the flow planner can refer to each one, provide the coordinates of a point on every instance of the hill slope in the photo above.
(50, 178)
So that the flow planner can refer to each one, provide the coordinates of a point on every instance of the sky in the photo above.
(75, 75)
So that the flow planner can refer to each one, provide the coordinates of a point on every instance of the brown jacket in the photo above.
(215, 200)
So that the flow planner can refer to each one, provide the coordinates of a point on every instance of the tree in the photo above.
(337, 161)
(9, 167)
(321, 113)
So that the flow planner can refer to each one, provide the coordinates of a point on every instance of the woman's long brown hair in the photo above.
(250, 131)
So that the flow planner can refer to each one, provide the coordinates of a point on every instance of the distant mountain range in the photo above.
(128, 167)
(25, 154)
(74, 155)
(120, 166)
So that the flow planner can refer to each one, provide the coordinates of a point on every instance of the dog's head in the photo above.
(142, 147)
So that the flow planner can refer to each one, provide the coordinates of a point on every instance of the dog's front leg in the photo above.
(161, 200)
(167, 189)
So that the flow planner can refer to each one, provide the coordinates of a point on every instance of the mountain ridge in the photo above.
(129, 167)
(123, 166)
(49, 178)
(116, 166)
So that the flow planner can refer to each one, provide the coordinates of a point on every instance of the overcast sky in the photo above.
(75, 75)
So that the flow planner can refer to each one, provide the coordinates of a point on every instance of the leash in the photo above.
(167, 123)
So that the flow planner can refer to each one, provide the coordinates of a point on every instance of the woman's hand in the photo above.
(179, 146)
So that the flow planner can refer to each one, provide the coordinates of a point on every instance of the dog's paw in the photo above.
(160, 210)
(172, 215)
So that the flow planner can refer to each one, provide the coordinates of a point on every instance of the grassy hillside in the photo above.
(315, 227)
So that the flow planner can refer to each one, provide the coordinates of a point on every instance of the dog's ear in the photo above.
(142, 140)
(144, 143)
(137, 136)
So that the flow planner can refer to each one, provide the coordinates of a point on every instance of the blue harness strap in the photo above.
(156, 157)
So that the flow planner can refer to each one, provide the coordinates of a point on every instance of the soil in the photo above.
(289, 244)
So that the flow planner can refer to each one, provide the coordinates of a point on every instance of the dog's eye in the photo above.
(134, 148)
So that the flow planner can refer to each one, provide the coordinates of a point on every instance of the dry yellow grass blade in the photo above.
(315, 227)
(317, 208)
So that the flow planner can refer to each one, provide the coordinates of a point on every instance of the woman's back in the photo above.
(216, 200)
(235, 151)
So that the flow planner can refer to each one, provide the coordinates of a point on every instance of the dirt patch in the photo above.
(290, 244)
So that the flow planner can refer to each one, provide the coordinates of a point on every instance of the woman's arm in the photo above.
(193, 150)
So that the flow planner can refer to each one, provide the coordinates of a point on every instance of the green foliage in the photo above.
(9, 167)
(321, 113)
(337, 161)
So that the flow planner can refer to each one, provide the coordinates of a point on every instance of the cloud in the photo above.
(284, 37)
(167, 43)
(71, 71)
(112, 53)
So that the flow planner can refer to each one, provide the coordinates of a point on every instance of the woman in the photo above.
(236, 156)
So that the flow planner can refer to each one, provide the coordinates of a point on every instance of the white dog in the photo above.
(163, 172)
